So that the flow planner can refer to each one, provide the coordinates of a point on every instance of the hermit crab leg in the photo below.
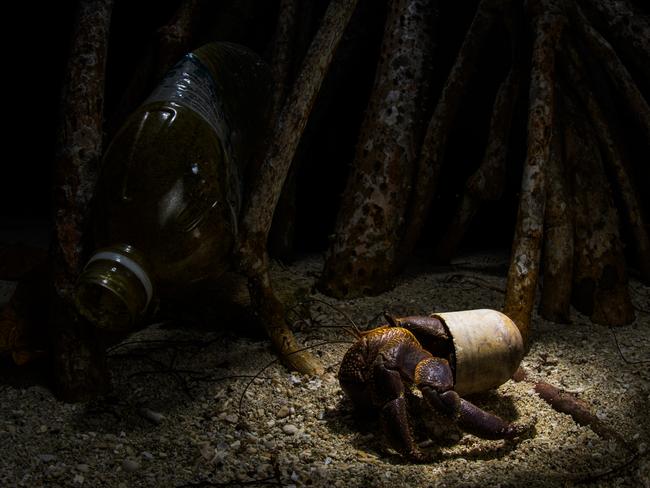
(389, 391)
(434, 379)
(482, 424)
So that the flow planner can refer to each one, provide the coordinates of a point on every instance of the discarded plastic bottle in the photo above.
(169, 192)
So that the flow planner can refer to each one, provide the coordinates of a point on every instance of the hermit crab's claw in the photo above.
(394, 414)
(485, 425)
(416, 352)
(433, 378)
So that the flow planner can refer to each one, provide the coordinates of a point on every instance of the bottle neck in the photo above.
(115, 288)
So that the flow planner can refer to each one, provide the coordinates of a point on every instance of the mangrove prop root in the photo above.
(600, 287)
(569, 404)
(629, 31)
(548, 23)
(258, 213)
(79, 139)
(176, 37)
(558, 238)
(488, 181)
(363, 249)
(615, 156)
(435, 139)
(282, 55)
(617, 71)
(171, 42)
(280, 242)
(79, 363)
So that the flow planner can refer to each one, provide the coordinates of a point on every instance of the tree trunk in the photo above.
(362, 253)
(78, 357)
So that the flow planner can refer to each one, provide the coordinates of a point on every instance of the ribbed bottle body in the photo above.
(170, 186)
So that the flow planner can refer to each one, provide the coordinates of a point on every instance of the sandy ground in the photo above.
(175, 418)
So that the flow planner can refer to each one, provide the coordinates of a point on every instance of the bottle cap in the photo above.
(114, 289)
(129, 264)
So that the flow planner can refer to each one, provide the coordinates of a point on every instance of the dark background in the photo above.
(36, 66)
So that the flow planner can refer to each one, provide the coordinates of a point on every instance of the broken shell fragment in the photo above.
(487, 348)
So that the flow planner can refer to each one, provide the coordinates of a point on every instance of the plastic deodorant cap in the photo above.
(488, 348)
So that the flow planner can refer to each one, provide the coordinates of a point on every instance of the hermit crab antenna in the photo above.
(352, 329)
(276, 360)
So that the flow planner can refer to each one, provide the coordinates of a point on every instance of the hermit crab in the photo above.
(444, 356)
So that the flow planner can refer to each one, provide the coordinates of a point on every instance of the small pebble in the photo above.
(219, 456)
(129, 465)
(232, 418)
(153, 417)
(283, 412)
(289, 429)
(206, 450)
(315, 384)
(78, 478)
(146, 455)
(84, 468)
(47, 458)
(295, 379)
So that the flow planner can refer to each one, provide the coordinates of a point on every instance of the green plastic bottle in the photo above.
(170, 188)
